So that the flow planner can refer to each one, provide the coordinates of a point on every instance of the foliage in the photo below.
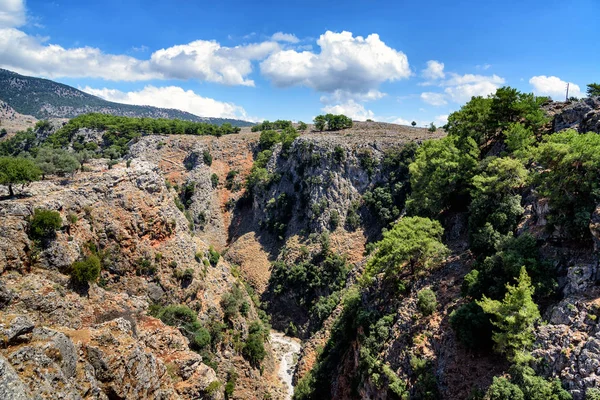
(569, 176)
(441, 174)
(276, 125)
(432, 127)
(483, 119)
(514, 317)
(332, 122)
(302, 126)
(524, 384)
(268, 139)
(353, 219)
(413, 243)
(119, 131)
(504, 266)
(16, 170)
(472, 326)
(86, 270)
(230, 385)
(254, 348)
(186, 320)
(44, 223)
(214, 180)
(519, 138)
(207, 158)
(496, 202)
(593, 89)
(56, 161)
(592, 394)
(426, 301)
(213, 256)
(20, 144)
(413, 124)
(232, 302)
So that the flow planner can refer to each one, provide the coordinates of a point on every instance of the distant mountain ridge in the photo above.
(43, 98)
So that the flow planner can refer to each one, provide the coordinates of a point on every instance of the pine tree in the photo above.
(515, 317)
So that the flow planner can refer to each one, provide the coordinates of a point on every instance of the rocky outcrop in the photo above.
(582, 115)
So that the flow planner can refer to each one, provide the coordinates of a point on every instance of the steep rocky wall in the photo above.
(114, 349)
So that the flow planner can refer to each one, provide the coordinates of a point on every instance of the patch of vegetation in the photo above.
(266, 125)
(426, 301)
(17, 171)
(332, 122)
(43, 224)
(86, 270)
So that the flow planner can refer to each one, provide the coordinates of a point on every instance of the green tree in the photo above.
(568, 175)
(268, 139)
(496, 202)
(14, 171)
(413, 124)
(56, 161)
(514, 317)
(44, 223)
(320, 122)
(413, 243)
(302, 126)
(593, 89)
(440, 176)
(432, 127)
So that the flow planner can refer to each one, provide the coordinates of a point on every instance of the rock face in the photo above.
(583, 115)
(67, 341)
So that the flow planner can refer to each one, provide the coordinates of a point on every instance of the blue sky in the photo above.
(393, 61)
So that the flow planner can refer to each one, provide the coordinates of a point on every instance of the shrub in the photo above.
(254, 349)
(86, 270)
(334, 219)
(472, 326)
(231, 303)
(202, 338)
(426, 301)
(56, 161)
(213, 256)
(230, 385)
(302, 126)
(268, 139)
(207, 157)
(44, 223)
(214, 180)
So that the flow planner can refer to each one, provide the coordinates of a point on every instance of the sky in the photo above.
(394, 61)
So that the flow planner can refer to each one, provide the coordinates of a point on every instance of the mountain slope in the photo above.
(43, 98)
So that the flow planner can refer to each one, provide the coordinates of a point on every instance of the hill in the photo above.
(43, 98)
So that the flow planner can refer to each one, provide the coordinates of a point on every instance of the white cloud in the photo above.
(554, 87)
(352, 64)
(172, 97)
(435, 99)
(201, 60)
(284, 37)
(12, 13)
(460, 88)
(351, 109)
(484, 67)
(343, 96)
(441, 120)
(434, 70)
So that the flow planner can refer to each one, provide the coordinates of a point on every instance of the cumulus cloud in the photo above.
(343, 96)
(460, 88)
(441, 120)
(351, 109)
(434, 70)
(435, 99)
(348, 63)
(12, 13)
(172, 97)
(201, 59)
(554, 87)
(284, 37)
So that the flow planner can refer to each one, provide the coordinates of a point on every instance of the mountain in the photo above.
(43, 98)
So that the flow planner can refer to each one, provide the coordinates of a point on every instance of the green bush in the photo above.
(426, 301)
(592, 394)
(231, 303)
(268, 139)
(17, 171)
(472, 326)
(207, 158)
(44, 224)
(86, 270)
(202, 338)
(254, 349)
(213, 256)
(302, 126)
(214, 180)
